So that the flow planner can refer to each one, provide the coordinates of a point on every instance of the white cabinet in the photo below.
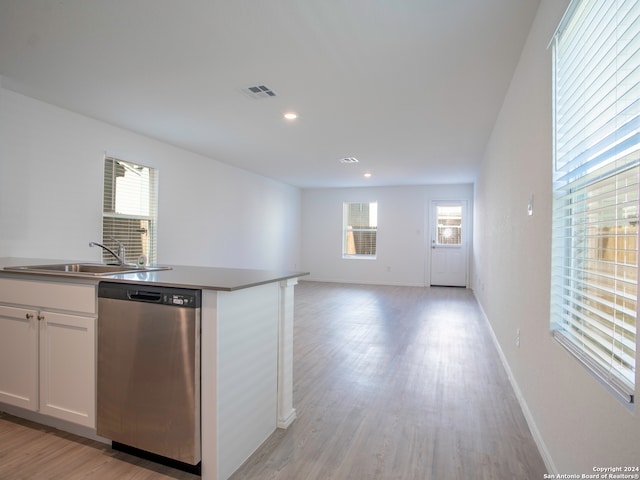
(67, 367)
(19, 357)
(47, 348)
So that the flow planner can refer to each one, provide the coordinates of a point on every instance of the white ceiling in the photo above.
(409, 87)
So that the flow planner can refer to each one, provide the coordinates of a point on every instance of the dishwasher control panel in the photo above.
(169, 296)
(179, 299)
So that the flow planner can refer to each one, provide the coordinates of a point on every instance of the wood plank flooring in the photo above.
(396, 383)
(29, 451)
(389, 383)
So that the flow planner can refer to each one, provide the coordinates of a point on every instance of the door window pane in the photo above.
(449, 224)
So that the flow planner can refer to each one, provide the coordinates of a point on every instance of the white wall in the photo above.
(210, 214)
(580, 424)
(402, 239)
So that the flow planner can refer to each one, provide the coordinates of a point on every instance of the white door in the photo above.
(449, 257)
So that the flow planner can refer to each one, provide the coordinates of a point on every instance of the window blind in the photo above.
(129, 209)
(594, 285)
(360, 229)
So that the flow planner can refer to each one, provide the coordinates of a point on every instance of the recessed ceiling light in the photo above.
(367, 175)
(290, 115)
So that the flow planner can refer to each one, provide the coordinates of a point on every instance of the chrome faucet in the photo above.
(120, 256)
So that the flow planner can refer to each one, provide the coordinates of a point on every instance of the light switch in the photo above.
(530, 205)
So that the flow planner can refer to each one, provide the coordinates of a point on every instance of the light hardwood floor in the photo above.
(30, 451)
(389, 383)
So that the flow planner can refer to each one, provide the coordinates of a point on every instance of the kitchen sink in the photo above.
(96, 269)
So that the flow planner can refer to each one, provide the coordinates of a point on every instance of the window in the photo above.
(449, 224)
(360, 229)
(594, 291)
(129, 209)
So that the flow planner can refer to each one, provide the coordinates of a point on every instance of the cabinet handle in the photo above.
(40, 317)
(29, 316)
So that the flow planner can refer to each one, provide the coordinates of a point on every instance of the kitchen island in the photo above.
(246, 348)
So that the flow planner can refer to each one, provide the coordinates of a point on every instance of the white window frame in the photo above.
(350, 231)
(119, 225)
(594, 284)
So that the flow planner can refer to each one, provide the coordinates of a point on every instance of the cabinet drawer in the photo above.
(76, 297)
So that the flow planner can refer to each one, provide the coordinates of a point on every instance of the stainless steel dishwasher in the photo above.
(149, 370)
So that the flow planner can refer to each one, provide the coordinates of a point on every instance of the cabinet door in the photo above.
(67, 373)
(19, 357)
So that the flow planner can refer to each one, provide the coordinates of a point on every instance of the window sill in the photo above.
(622, 392)
(358, 257)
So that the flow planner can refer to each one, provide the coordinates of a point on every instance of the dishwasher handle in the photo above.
(145, 296)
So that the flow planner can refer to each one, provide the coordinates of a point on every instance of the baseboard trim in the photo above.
(284, 423)
(537, 437)
(361, 282)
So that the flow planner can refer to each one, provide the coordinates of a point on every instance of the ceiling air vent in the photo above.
(259, 91)
(349, 160)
